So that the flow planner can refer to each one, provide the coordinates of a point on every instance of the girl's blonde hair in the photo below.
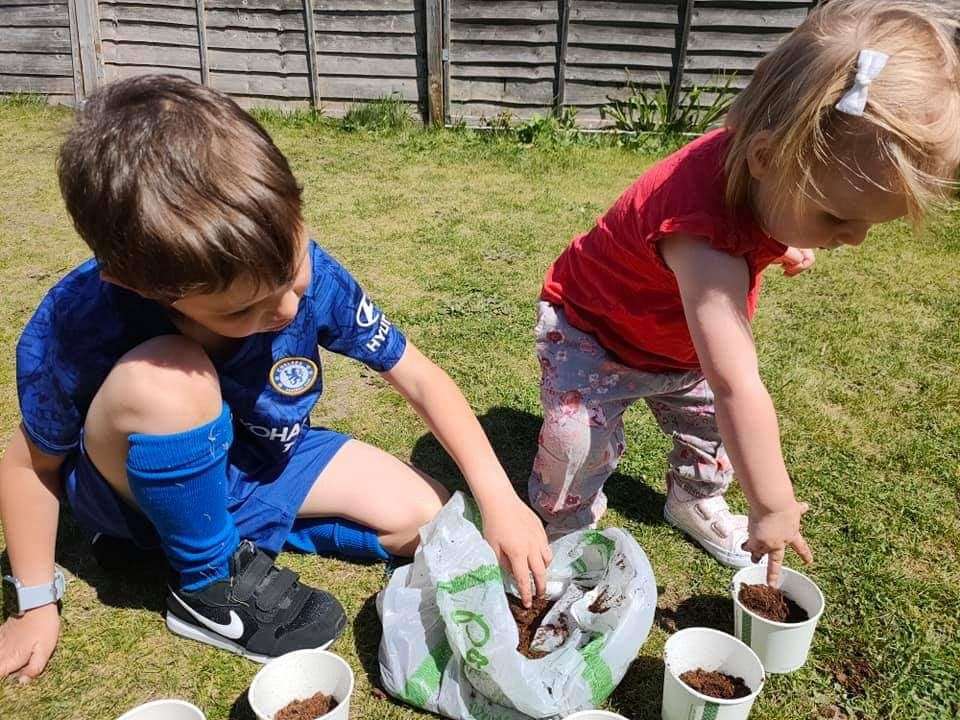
(913, 106)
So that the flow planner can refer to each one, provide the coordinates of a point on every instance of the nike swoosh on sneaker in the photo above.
(232, 629)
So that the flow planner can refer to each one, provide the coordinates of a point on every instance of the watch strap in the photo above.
(38, 595)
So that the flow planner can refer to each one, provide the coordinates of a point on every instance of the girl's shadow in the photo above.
(513, 434)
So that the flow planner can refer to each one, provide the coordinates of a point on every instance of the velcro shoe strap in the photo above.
(275, 589)
(298, 598)
(253, 574)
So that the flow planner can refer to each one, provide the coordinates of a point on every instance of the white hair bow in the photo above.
(869, 65)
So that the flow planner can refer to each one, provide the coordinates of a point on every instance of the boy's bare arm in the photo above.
(29, 506)
(714, 288)
(513, 530)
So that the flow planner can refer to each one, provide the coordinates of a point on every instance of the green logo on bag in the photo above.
(480, 576)
(477, 630)
(424, 684)
(596, 671)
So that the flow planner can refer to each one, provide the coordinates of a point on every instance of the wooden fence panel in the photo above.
(503, 58)
(730, 37)
(481, 57)
(142, 38)
(274, 32)
(370, 49)
(35, 49)
(616, 46)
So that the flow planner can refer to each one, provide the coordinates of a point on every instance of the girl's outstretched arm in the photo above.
(714, 287)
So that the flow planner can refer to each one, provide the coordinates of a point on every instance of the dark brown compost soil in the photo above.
(528, 620)
(309, 709)
(716, 684)
(601, 603)
(771, 603)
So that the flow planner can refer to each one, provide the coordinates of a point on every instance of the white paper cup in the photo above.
(781, 647)
(594, 715)
(164, 710)
(711, 650)
(297, 676)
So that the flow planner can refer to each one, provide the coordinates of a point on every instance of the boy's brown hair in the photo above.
(178, 191)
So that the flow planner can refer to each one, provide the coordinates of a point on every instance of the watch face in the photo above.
(11, 604)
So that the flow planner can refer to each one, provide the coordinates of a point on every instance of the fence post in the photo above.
(560, 91)
(685, 12)
(202, 42)
(313, 82)
(445, 12)
(88, 40)
(435, 83)
(78, 94)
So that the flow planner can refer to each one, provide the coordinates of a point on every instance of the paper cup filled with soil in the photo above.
(164, 710)
(709, 676)
(302, 685)
(778, 623)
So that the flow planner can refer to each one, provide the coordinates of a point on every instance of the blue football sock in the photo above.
(180, 483)
(336, 536)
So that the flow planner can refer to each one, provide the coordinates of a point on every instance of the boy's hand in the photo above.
(796, 260)
(27, 642)
(516, 534)
(771, 533)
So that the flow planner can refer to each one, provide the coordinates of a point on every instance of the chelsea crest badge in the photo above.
(293, 375)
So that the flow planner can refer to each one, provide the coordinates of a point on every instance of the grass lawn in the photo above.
(451, 233)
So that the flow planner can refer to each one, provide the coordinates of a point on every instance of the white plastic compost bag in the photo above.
(450, 642)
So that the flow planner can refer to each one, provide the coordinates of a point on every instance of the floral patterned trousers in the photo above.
(584, 393)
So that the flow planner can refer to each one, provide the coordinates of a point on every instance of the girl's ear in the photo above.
(759, 154)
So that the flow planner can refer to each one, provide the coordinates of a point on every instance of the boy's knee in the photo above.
(165, 385)
(420, 511)
(426, 508)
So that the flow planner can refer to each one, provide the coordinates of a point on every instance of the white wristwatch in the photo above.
(18, 598)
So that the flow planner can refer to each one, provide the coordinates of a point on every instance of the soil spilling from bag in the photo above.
(600, 604)
(528, 620)
(772, 604)
(309, 709)
(716, 684)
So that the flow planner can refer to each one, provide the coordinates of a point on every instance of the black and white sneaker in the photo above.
(260, 611)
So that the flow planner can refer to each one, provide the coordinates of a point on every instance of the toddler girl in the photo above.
(851, 122)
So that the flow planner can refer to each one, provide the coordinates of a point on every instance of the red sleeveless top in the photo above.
(612, 281)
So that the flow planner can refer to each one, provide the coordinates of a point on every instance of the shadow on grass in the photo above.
(366, 634)
(241, 710)
(513, 434)
(711, 611)
(640, 693)
(123, 577)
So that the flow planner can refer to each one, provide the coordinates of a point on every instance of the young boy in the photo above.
(165, 388)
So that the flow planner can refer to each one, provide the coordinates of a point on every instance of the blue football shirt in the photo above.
(272, 381)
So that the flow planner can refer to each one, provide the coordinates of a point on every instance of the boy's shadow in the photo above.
(137, 580)
(513, 434)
